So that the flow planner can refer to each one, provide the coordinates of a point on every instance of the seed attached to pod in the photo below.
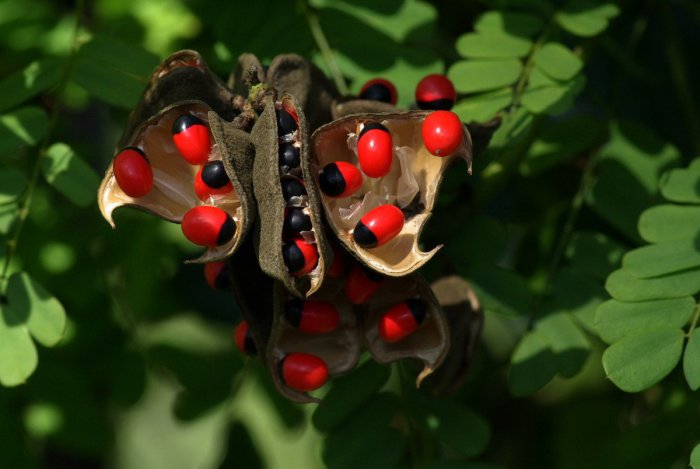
(402, 320)
(212, 180)
(295, 221)
(312, 317)
(379, 226)
(244, 339)
(442, 133)
(339, 179)
(289, 156)
(286, 123)
(361, 284)
(218, 275)
(191, 137)
(375, 150)
(299, 256)
(208, 226)
(303, 372)
(379, 89)
(435, 92)
(292, 187)
(133, 172)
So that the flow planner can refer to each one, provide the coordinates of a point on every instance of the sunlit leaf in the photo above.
(470, 76)
(22, 128)
(8, 214)
(518, 24)
(18, 357)
(557, 61)
(532, 365)
(482, 107)
(624, 286)
(663, 258)
(669, 223)
(586, 18)
(566, 341)
(543, 96)
(691, 360)
(12, 184)
(681, 185)
(695, 458)
(42, 313)
(492, 45)
(70, 175)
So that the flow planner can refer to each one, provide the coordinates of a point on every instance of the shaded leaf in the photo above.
(470, 76)
(669, 222)
(12, 185)
(501, 291)
(36, 77)
(479, 240)
(492, 45)
(22, 128)
(557, 61)
(518, 24)
(681, 185)
(463, 432)
(532, 365)
(70, 175)
(483, 107)
(566, 341)
(643, 358)
(42, 313)
(18, 357)
(241, 450)
(594, 254)
(544, 96)
(662, 258)
(691, 360)
(624, 286)
(579, 295)
(615, 319)
(8, 214)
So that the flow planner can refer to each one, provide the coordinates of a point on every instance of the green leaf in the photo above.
(8, 215)
(22, 128)
(691, 360)
(586, 18)
(483, 107)
(348, 394)
(662, 258)
(532, 365)
(479, 240)
(695, 458)
(616, 319)
(37, 308)
(492, 46)
(470, 76)
(18, 357)
(594, 254)
(501, 291)
(544, 96)
(518, 24)
(557, 61)
(33, 79)
(681, 185)
(579, 295)
(464, 433)
(12, 185)
(624, 286)
(669, 223)
(643, 358)
(566, 341)
(70, 175)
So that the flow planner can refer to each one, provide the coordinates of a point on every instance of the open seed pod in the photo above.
(271, 183)
(465, 319)
(348, 106)
(411, 184)
(158, 178)
(429, 340)
(298, 326)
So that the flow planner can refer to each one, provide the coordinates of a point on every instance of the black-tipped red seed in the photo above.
(218, 275)
(379, 226)
(212, 180)
(292, 187)
(312, 317)
(244, 339)
(435, 92)
(299, 256)
(401, 320)
(133, 172)
(295, 221)
(361, 284)
(303, 372)
(289, 156)
(191, 137)
(379, 89)
(208, 226)
(339, 179)
(375, 150)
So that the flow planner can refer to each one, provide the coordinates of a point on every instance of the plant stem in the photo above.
(324, 47)
(26, 202)
(694, 323)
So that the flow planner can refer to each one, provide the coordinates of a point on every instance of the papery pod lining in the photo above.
(339, 349)
(271, 204)
(334, 141)
(429, 343)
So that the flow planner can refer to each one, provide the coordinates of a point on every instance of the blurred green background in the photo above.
(116, 354)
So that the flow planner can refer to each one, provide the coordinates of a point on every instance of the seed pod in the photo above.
(218, 275)
(411, 185)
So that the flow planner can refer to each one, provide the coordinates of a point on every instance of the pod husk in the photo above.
(429, 343)
(339, 349)
(465, 318)
(248, 67)
(331, 143)
(271, 204)
(349, 106)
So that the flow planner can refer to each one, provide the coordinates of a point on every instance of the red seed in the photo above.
(191, 137)
(133, 172)
(303, 372)
(375, 150)
(442, 133)
(244, 339)
(379, 226)
(401, 320)
(208, 226)
(218, 275)
(312, 317)
(435, 92)
(361, 284)
(379, 89)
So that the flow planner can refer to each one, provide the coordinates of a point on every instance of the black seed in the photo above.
(295, 222)
(331, 180)
(228, 229)
(372, 126)
(249, 344)
(214, 175)
(223, 280)
(285, 123)
(377, 92)
(292, 187)
(292, 311)
(289, 155)
(364, 236)
(293, 257)
(184, 122)
(437, 104)
(417, 308)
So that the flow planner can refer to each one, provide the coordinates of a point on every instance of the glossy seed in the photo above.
(375, 150)
(337, 267)
(218, 275)
(212, 180)
(379, 89)
(244, 339)
(286, 123)
(379, 226)
(289, 156)
(401, 320)
(191, 137)
(312, 317)
(133, 172)
(303, 372)
(435, 92)
(299, 256)
(295, 221)
(442, 133)
(361, 284)
(208, 226)
(292, 187)
(339, 179)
